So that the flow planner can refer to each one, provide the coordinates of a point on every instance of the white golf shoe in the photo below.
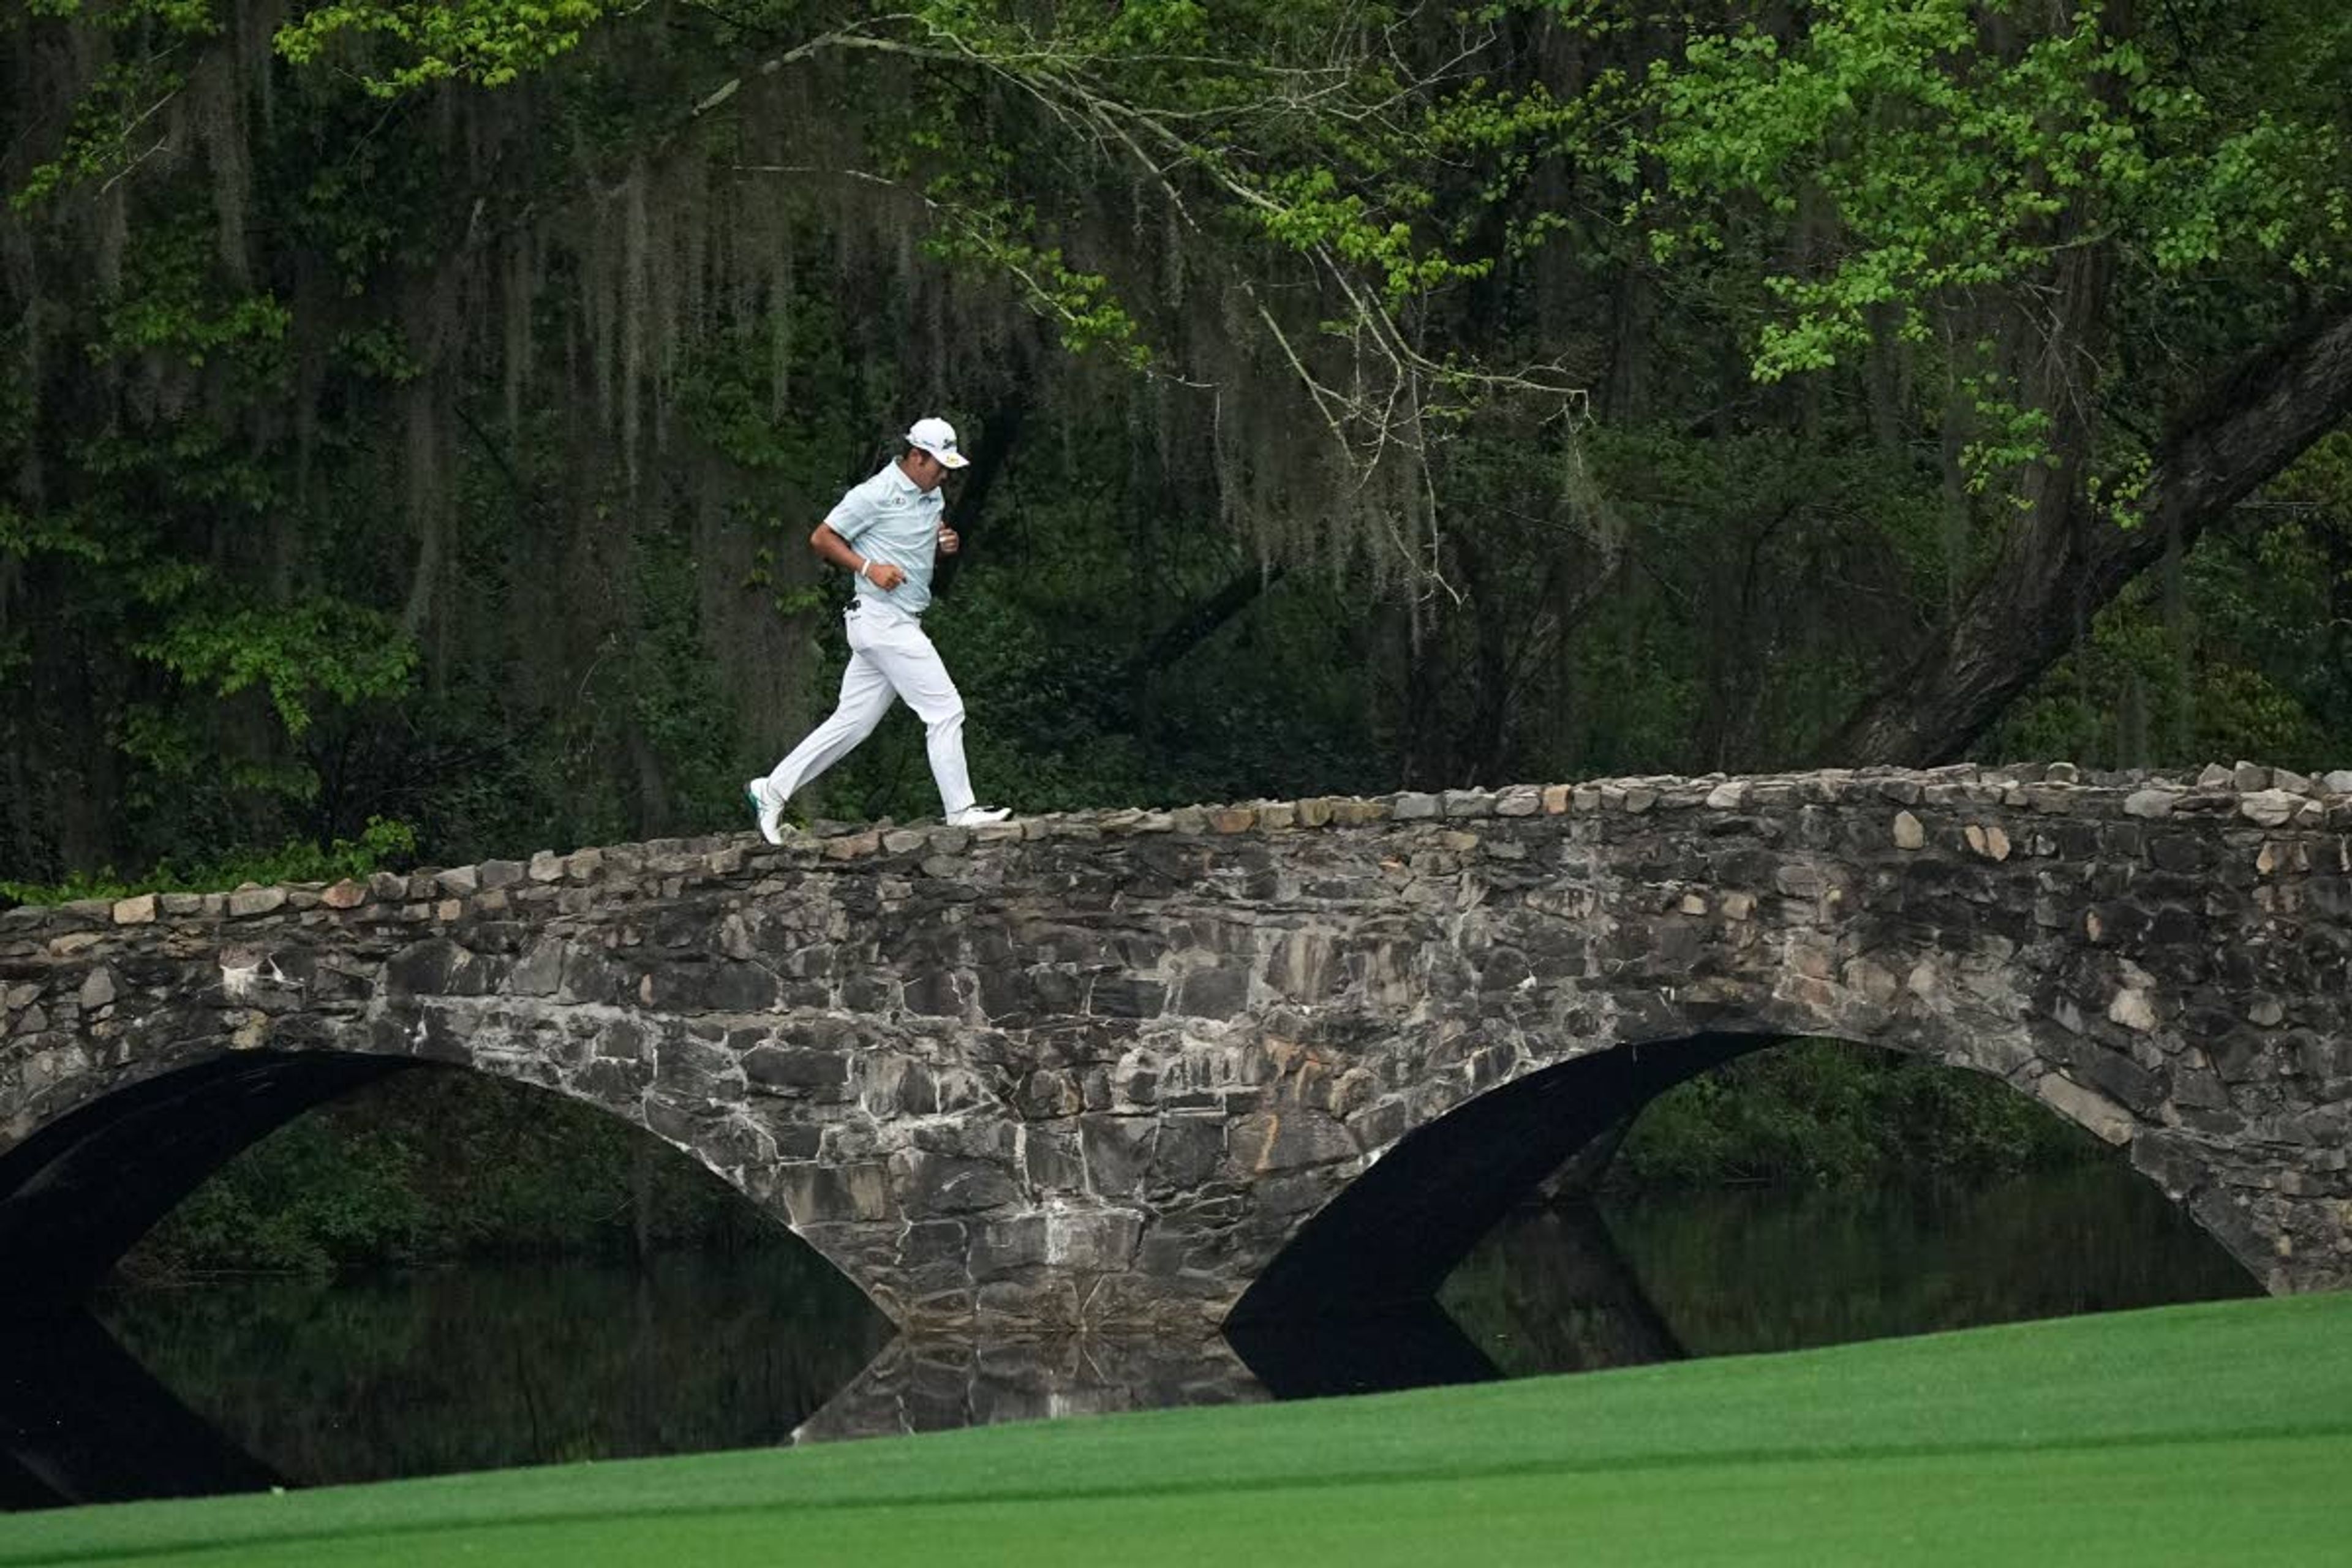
(766, 810)
(977, 816)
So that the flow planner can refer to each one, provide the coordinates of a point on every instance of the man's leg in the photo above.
(866, 695)
(913, 668)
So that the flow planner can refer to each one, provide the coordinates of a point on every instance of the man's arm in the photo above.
(831, 548)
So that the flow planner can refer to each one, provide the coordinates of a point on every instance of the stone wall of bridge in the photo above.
(1133, 1069)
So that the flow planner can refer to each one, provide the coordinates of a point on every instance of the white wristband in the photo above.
(862, 565)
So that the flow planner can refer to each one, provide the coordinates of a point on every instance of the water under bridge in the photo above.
(1171, 1070)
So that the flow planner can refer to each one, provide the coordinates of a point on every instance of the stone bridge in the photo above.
(1167, 1070)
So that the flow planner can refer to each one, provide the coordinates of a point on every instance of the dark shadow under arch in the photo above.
(1391, 1239)
(82, 1421)
(1387, 1242)
(76, 1194)
(79, 1193)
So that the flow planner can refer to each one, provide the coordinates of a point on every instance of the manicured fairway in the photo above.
(2218, 1433)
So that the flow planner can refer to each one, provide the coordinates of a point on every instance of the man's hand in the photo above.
(949, 543)
(883, 576)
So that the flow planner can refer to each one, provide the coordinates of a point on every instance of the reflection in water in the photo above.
(1730, 1272)
(83, 1422)
(931, 1386)
(477, 1368)
(1397, 1347)
(1548, 1292)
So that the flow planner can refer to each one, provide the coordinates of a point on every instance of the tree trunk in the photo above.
(1000, 434)
(641, 1200)
(1197, 624)
(2068, 561)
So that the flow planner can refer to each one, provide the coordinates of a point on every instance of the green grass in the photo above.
(2215, 1433)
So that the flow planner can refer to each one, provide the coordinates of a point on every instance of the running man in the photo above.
(887, 532)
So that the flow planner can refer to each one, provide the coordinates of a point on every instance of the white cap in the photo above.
(937, 437)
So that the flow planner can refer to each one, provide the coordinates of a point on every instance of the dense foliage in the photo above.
(1825, 1113)
(435, 1167)
(415, 410)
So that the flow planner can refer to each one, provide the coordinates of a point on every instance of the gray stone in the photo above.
(2088, 1109)
(1118, 1151)
(1799, 881)
(945, 1185)
(784, 1070)
(436, 967)
(1006, 1246)
(1214, 993)
(1410, 807)
(1285, 1141)
(1125, 996)
(2132, 1010)
(1524, 801)
(1467, 802)
(1054, 1162)
(540, 972)
(249, 901)
(1187, 1152)
(1048, 1095)
(815, 1196)
(2270, 807)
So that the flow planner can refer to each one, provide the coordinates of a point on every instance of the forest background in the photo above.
(412, 413)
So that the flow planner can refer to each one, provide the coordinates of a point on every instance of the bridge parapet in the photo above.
(2263, 796)
(1104, 1067)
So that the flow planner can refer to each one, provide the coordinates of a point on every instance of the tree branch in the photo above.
(2026, 614)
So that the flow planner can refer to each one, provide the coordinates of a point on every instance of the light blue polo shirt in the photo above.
(889, 518)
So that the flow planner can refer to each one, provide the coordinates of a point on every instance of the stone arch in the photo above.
(80, 1188)
(77, 1193)
(1388, 1239)
(1390, 1232)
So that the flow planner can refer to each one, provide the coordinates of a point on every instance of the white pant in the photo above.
(890, 657)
